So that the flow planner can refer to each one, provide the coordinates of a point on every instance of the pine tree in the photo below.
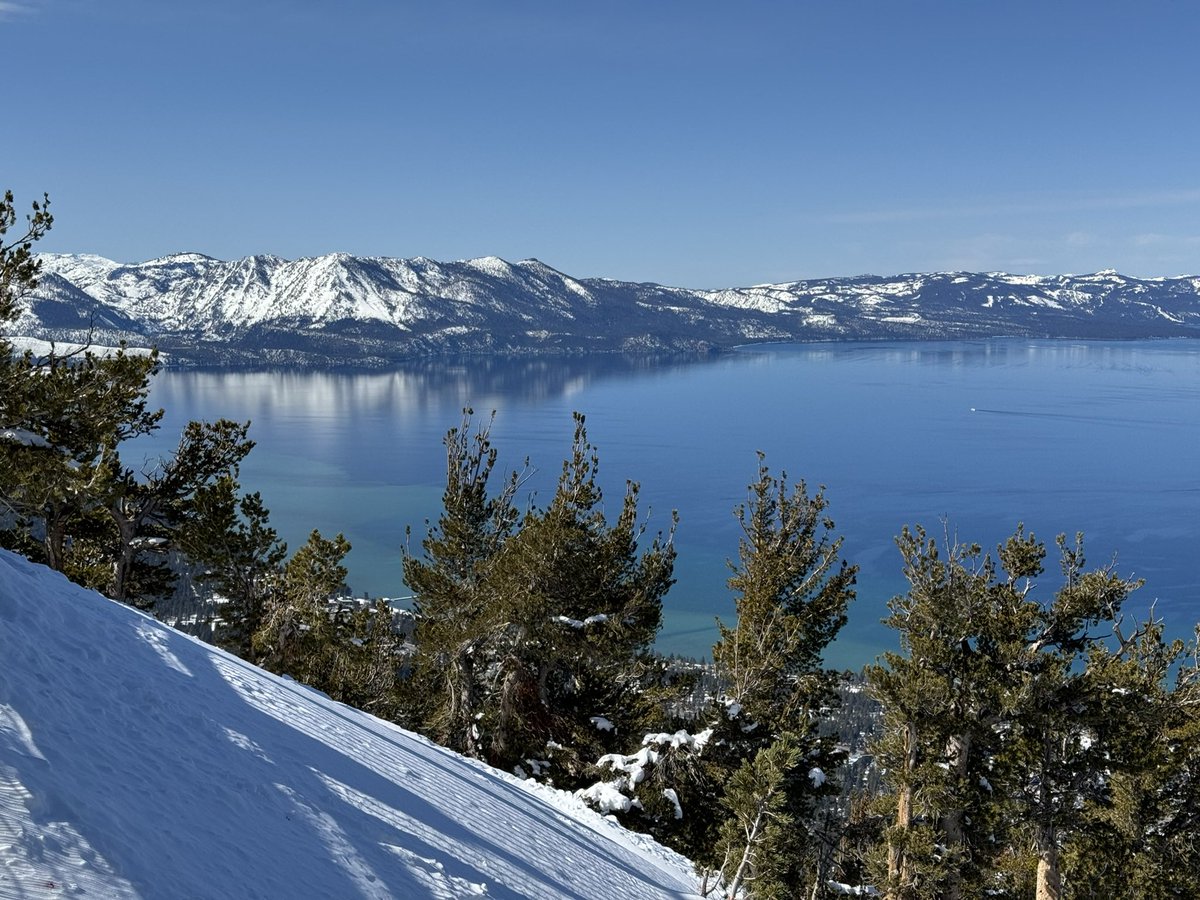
(308, 629)
(454, 615)
(737, 785)
(793, 589)
(759, 824)
(1170, 855)
(76, 409)
(62, 416)
(995, 717)
(148, 512)
(1059, 735)
(581, 604)
(298, 622)
(69, 499)
(531, 627)
(941, 707)
(18, 266)
(372, 655)
(1138, 839)
(241, 555)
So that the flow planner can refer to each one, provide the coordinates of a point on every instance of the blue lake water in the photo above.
(1102, 437)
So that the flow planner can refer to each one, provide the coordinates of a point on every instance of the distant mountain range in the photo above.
(371, 311)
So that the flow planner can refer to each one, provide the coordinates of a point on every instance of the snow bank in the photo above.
(138, 762)
(41, 347)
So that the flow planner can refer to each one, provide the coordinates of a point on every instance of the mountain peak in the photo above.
(491, 265)
(180, 258)
(342, 309)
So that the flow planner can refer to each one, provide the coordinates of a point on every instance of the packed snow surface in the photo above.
(138, 762)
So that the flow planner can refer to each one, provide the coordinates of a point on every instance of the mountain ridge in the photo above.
(372, 310)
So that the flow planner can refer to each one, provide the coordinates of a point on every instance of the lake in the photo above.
(1102, 437)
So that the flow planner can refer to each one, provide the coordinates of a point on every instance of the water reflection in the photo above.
(1126, 356)
(413, 387)
(1098, 436)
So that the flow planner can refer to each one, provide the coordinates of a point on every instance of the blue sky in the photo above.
(701, 144)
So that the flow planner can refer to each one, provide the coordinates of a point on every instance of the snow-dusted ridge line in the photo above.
(356, 310)
(136, 761)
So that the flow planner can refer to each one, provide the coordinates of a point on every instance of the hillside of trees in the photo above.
(1028, 739)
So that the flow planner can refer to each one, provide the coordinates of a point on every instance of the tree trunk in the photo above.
(123, 564)
(56, 537)
(1049, 878)
(958, 748)
(461, 727)
(510, 710)
(899, 864)
(753, 833)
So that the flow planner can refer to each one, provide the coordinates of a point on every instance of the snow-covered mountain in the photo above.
(138, 762)
(371, 310)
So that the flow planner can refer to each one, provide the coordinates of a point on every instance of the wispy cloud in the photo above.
(8, 8)
(1145, 254)
(1148, 199)
(1179, 241)
(989, 252)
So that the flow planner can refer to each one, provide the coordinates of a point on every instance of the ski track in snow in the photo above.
(138, 762)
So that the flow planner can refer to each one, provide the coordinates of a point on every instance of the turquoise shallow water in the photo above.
(1102, 437)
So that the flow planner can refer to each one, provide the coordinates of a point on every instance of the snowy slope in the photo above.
(369, 310)
(138, 762)
(189, 291)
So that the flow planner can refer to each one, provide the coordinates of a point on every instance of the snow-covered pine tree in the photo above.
(581, 599)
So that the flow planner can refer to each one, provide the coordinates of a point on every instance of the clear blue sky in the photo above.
(695, 143)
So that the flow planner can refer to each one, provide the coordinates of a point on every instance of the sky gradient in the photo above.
(700, 144)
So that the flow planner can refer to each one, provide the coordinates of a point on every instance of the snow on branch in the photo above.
(597, 619)
(24, 436)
